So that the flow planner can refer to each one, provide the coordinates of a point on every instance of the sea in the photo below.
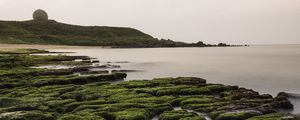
(268, 69)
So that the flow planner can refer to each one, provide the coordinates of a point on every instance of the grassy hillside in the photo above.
(52, 32)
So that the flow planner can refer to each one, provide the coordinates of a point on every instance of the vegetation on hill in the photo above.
(52, 32)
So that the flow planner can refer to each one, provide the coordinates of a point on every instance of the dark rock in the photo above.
(95, 61)
(244, 93)
(124, 71)
(95, 72)
(265, 96)
(231, 107)
(122, 62)
(188, 81)
(86, 61)
(26, 115)
(284, 94)
(107, 66)
(238, 115)
(80, 69)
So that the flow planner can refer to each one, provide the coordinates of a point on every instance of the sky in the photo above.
(210, 21)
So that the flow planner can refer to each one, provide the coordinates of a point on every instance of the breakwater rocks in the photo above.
(42, 94)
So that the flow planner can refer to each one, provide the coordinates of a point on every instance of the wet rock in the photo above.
(95, 72)
(180, 115)
(238, 115)
(39, 93)
(5, 102)
(86, 61)
(79, 57)
(282, 102)
(107, 66)
(133, 114)
(95, 61)
(80, 69)
(289, 95)
(124, 71)
(22, 107)
(283, 94)
(122, 62)
(56, 72)
(244, 93)
(265, 109)
(274, 116)
(297, 116)
(81, 80)
(81, 117)
(265, 96)
(290, 117)
(189, 81)
(231, 107)
(26, 115)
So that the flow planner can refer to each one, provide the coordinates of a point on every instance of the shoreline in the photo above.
(102, 97)
(5, 46)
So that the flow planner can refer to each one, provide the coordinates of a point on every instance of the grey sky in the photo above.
(211, 21)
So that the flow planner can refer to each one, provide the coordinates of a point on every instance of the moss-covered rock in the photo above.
(179, 115)
(45, 94)
(238, 115)
(274, 116)
(25, 115)
(133, 114)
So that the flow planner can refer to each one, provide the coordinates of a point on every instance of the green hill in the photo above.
(52, 32)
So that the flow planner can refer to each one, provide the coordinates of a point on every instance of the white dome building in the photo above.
(40, 15)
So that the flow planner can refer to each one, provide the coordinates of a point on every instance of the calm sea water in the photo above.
(267, 69)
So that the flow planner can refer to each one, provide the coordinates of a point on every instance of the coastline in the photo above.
(72, 96)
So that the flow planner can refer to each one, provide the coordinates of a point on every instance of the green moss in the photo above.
(73, 105)
(5, 102)
(196, 101)
(239, 115)
(133, 114)
(59, 105)
(57, 94)
(188, 81)
(138, 84)
(77, 79)
(206, 107)
(82, 116)
(273, 116)
(146, 98)
(193, 118)
(178, 115)
(24, 115)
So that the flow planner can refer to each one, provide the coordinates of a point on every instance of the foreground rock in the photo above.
(138, 100)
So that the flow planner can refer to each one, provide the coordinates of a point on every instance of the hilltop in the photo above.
(56, 33)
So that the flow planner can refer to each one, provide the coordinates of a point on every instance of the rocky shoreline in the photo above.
(29, 93)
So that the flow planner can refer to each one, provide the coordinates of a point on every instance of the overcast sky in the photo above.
(211, 21)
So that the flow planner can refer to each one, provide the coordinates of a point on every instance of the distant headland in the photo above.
(42, 30)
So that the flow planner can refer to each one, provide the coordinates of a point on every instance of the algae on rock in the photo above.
(42, 94)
